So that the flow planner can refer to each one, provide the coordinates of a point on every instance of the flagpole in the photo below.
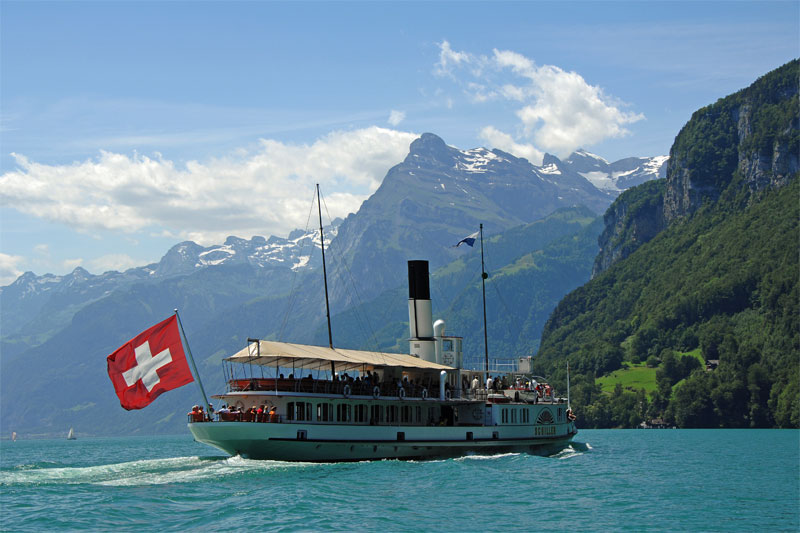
(569, 404)
(484, 275)
(191, 361)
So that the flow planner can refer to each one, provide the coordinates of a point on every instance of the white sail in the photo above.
(71, 434)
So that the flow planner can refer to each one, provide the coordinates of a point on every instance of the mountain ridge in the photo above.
(267, 288)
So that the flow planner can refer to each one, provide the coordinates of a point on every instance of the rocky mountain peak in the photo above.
(550, 159)
(430, 150)
(428, 143)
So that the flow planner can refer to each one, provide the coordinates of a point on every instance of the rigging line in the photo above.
(367, 332)
(292, 290)
(509, 314)
(357, 314)
(370, 339)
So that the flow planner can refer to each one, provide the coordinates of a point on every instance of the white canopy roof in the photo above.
(302, 356)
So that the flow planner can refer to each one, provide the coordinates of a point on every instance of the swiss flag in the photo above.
(149, 364)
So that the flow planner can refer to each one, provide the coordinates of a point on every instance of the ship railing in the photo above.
(248, 417)
(355, 388)
(476, 394)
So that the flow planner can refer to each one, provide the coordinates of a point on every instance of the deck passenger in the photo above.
(489, 383)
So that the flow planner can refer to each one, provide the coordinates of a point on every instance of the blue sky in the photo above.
(128, 127)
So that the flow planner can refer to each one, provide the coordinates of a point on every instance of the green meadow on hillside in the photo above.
(633, 377)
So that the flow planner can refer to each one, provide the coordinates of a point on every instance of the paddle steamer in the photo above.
(348, 405)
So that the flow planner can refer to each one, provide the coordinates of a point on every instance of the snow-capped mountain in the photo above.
(296, 251)
(30, 295)
(424, 205)
(434, 197)
(617, 176)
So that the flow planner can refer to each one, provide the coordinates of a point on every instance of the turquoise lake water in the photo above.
(637, 480)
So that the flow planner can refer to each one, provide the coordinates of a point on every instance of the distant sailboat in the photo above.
(14, 436)
(71, 434)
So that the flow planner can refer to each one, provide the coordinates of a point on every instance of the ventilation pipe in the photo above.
(438, 334)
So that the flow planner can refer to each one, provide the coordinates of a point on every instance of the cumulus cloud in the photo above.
(449, 58)
(558, 111)
(9, 268)
(72, 264)
(265, 191)
(497, 139)
(118, 262)
(396, 117)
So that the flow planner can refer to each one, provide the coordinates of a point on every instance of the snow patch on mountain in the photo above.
(617, 176)
(476, 160)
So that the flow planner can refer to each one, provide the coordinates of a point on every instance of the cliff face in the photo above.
(740, 146)
(633, 219)
(770, 168)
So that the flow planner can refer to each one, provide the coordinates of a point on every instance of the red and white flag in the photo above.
(149, 364)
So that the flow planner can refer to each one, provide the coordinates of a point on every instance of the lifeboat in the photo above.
(498, 398)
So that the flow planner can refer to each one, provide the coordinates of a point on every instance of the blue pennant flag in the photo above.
(469, 241)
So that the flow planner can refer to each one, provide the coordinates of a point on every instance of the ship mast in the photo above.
(484, 275)
(325, 277)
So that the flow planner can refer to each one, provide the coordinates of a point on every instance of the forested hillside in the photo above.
(720, 280)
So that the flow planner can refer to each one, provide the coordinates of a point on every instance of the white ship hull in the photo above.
(315, 441)
(280, 442)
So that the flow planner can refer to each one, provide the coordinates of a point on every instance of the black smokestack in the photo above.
(419, 287)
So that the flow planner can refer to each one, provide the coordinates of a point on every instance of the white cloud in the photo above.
(396, 117)
(9, 268)
(505, 142)
(558, 111)
(262, 192)
(118, 262)
(71, 264)
(448, 58)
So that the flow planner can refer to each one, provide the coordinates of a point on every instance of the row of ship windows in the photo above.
(522, 415)
(405, 414)
(359, 413)
(513, 415)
